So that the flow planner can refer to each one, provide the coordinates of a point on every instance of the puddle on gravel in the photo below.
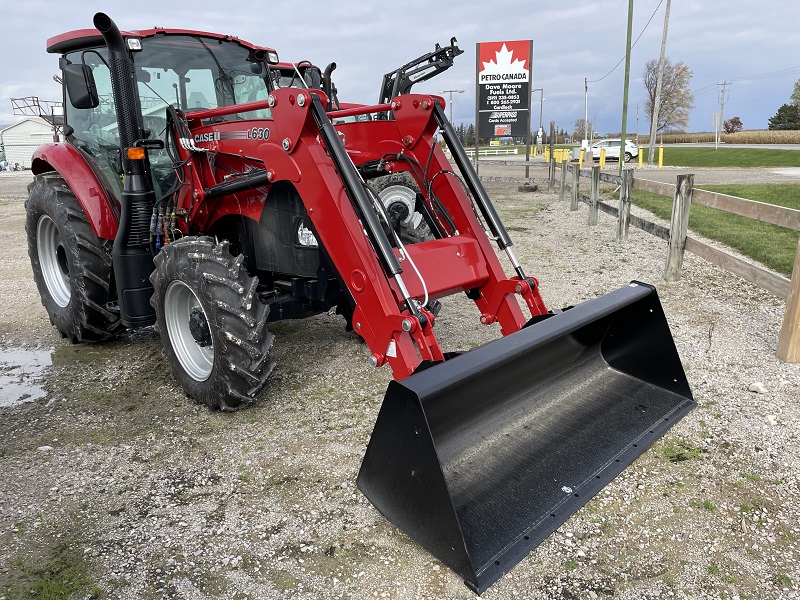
(21, 372)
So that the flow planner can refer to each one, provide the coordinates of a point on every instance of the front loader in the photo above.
(208, 189)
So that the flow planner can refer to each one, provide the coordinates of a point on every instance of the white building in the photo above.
(21, 140)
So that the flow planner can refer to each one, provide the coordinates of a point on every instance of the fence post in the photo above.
(576, 176)
(789, 339)
(625, 205)
(678, 227)
(551, 175)
(563, 179)
(594, 195)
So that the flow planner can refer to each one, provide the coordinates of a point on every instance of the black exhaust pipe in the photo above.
(133, 262)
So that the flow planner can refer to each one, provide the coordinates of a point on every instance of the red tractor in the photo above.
(208, 189)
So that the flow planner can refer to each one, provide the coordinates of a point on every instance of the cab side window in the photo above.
(95, 130)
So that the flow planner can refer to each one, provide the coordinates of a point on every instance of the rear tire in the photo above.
(211, 322)
(628, 157)
(71, 265)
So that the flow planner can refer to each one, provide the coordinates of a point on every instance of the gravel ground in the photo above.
(113, 483)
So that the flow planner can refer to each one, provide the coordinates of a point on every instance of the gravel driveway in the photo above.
(112, 480)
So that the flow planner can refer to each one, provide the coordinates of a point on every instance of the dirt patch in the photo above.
(156, 497)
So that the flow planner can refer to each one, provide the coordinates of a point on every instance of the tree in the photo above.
(787, 117)
(795, 97)
(580, 130)
(676, 95)
(461, 133)
(732, 125)
(469, 137)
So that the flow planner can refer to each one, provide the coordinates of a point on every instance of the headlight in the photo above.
(305, 237)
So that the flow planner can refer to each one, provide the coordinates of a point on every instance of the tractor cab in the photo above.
(175, 70)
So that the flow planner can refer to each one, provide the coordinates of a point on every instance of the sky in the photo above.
(751, 43)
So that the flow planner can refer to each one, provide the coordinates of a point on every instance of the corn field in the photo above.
(742, 137)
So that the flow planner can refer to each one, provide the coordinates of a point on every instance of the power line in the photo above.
(758, 76)
(632, 45)
(769, 75)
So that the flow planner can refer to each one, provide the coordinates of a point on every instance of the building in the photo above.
(21, 140)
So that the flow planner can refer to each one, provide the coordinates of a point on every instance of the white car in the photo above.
(612, 147)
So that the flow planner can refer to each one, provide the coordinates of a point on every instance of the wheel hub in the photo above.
(198, 327)
(399, 201)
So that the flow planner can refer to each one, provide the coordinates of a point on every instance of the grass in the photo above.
(60, 572)
(675, 451)
(770, 245)
(728, 157)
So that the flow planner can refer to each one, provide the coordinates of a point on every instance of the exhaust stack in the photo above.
(131, 256)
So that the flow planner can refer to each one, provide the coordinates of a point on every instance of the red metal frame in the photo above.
(466, 261)
(290, 148)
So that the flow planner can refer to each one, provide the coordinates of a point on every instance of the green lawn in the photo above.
(682, 156)
(768, 244)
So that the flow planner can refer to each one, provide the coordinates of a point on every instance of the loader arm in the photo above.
(399, 82)
(390, 312)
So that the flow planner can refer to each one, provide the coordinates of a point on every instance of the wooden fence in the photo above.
(684, 194)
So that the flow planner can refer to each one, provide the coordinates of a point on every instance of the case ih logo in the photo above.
(256, 133)
(202, 138)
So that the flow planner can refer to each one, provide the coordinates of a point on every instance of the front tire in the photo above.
(71, 265)
(211, 322)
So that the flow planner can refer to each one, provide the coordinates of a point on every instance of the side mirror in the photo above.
(80, 84)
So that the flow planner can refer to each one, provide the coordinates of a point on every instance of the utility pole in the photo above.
(626, 85)
(585, 108)
(723, 98)
(450, 102)
(654, 108)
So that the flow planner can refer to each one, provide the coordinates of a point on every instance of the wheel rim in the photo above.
(53, 261)
(180, 302)
(400, 194)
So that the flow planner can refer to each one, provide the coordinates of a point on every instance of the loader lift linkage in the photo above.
(261, 202)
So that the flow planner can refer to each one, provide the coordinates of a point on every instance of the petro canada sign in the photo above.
(504, 84)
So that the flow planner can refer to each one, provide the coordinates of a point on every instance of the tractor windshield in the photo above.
(189, 72)
(194, 72)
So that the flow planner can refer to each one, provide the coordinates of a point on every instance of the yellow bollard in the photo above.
(640, 157)
(580, 160)
(660, 156)
(534, 152)
(602, 157)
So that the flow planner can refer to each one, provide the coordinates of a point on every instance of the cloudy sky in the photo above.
(752, 43)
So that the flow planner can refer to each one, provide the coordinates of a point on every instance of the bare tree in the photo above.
(676, 96)
(580, 131)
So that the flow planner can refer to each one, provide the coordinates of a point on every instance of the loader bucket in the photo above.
(481, 457)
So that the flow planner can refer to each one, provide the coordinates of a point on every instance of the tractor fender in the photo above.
(100, 206)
